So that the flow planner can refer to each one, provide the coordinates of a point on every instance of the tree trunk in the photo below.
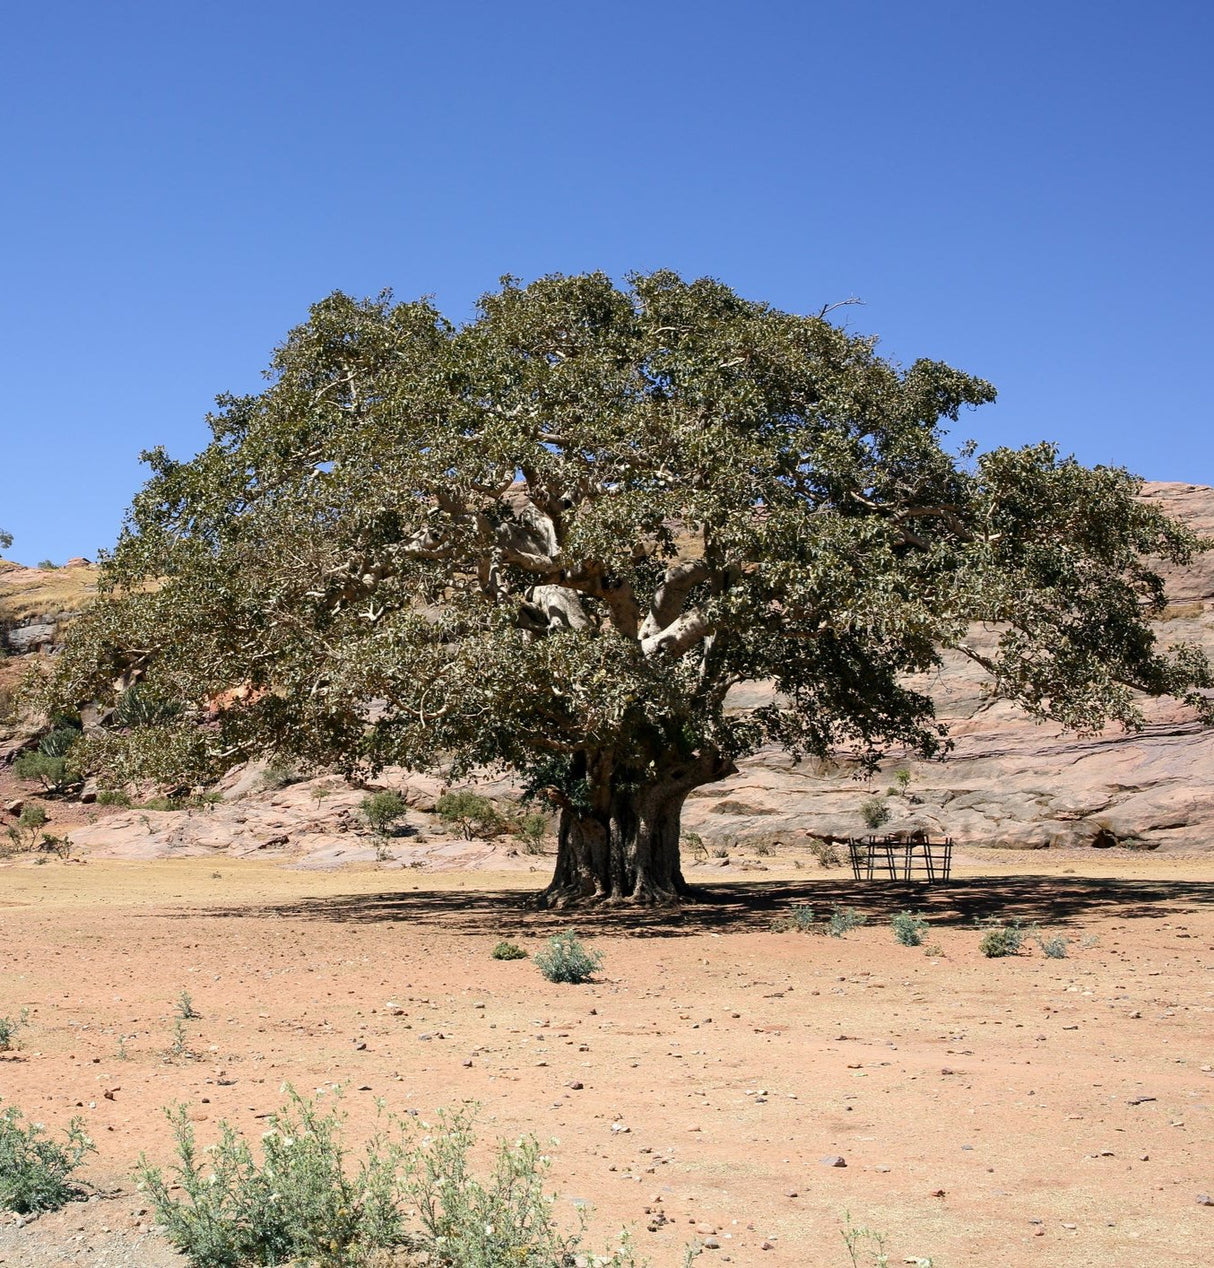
(627, 849)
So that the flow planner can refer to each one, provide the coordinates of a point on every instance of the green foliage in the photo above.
(508, 951)
(1002, 940)
(308, 1200)
(474, 814)
(843, 920)
(34, 1169)
(383, 811)
(799, 918)
(6, 540)
(909, 928)
(113, 797)
(531, 828)
(300, 1201)
(826, 852)
(531, 541)
(50, 772)
(48, 565)
(185, 1007)
(564, 958)
(10, 1027)
(140, 706)
(25, 832)
(875, 812)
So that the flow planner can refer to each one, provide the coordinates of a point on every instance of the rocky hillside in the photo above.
(1008, 782)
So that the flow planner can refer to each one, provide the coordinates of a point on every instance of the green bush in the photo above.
(475, 815)
(382, 811)
(875, 812)
(1003, 940)
(25, 832)
(112, 797)
(531, 829)
(564, 958)
(49, 770)
(34, 1169)
(299, 1202)
(508, 951)
(1054, 948)
(799, 918)
(10, 1027)
(306, 1202)
(909, 928)
(280, 774)
(843, 920)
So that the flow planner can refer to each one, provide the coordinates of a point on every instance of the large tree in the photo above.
(554, 538)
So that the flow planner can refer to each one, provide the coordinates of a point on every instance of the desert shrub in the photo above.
(10, 1027)
(506, 1220)
(474, 814)
(1002, 940)
(843, 920)
(280, 774)
(902, 778)
(61, 846)
(25, 832)
(826, 853)
(1054, 948)
(382, 811)
(48, 769)
(693, 843)
(531, 829)
(875, 812)
(306, 1201)
(564, 958)
(909, 928)
(112, 797)
(299, 1202)
(799, 918)
(508, 951)
(34, 1169)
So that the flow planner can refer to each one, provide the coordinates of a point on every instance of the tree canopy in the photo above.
(554, 538)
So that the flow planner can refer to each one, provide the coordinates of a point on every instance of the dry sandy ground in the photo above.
(1025, 1111)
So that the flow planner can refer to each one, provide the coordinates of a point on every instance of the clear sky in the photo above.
(1023, 190)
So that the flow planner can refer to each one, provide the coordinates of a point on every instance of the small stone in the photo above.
(575, 1084)
(1139, 1100)
(791, 1193)
(711, 1243)
(834, 1160)
(1204, 1199)
(360, 1047)
(467, 1065)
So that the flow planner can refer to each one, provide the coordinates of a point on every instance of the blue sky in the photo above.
(1023, 190)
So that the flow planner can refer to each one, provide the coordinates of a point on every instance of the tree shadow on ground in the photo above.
(750, 906)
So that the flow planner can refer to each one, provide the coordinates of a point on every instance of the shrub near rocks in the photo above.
(34, 1169)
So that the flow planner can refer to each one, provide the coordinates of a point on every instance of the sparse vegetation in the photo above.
(185, 1007)
(843, 920)
(508, 951)
(113, 797)
(875, 812)
(532, 829)
(693, 843)
(34, 1169)
(825, 852)
(474, 814)
(10, 1027)
(306, 1200)
(25, 832)
(564, 958)
(383, 811)
(909, 928)
(799, 918)
(1055, 947)
(280, 774)
(1003, 940)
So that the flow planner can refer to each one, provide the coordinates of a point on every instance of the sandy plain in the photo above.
(1022, 1111)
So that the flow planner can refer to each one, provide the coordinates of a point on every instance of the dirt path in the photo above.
(1025, 1111)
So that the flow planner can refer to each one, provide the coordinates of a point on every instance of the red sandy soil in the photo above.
(1023, 1111)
